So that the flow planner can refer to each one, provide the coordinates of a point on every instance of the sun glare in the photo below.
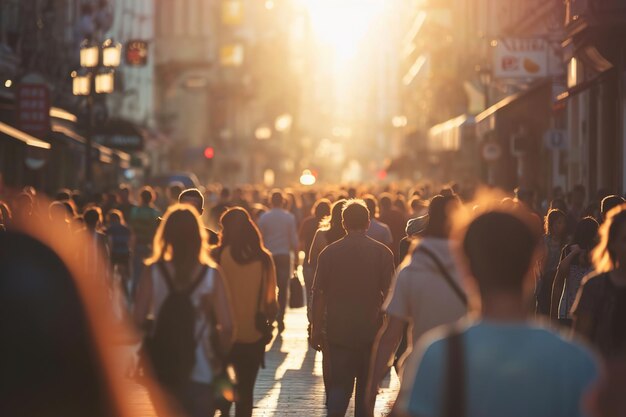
(342, 24)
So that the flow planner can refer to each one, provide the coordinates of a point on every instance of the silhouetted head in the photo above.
(372, 205)
(242, 236)
(321, 208)
(50, 363)
(277, 199)
(586, 233)
(355, 215)
(499, 247)
(555, 223)
(92, 217)
(181, 239)
(194, 197)
(611, 251)
(608, 203)
(440, 212)
(146, 195)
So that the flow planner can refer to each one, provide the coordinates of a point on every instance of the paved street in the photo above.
(291, 384)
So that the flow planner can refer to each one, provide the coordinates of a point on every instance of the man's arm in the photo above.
(318, 304)
(293, 235)
(385, 346)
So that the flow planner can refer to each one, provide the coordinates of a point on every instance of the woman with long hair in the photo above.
(554, 240)
(330, 230)
(180, 266)
(600, 309)
(574, 265)
(251, 279)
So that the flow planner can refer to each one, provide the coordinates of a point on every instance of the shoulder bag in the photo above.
(446, 275)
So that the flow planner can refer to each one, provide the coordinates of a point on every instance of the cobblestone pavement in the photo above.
(291, 384)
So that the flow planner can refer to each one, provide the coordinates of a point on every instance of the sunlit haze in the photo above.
(342, 24)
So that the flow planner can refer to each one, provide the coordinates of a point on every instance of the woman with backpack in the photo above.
(251, 279)
(184, 305)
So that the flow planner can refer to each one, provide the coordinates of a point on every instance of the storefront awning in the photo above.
(120, 134)
(488, 120)
(23, 136)
(447, 136)
(105, 155)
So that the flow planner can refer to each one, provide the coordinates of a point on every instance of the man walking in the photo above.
(503, 364)
(352, 279)
(280, 237)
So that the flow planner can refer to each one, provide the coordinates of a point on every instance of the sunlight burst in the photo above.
(342, 24)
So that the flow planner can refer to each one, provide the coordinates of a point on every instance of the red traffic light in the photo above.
(209, 152)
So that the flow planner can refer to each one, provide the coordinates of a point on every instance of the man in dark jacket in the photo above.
(352, 279)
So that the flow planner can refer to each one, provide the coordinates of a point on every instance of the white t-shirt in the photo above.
(202, 370)
(421, 295)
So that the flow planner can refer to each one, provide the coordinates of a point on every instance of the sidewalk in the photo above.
(291, 384)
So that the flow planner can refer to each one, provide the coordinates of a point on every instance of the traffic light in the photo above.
(209, 152)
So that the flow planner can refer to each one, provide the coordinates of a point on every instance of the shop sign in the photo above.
(491, 151)
(520, 58)
(556, 139)
(33, 108)
(121, 141)
(136, 53)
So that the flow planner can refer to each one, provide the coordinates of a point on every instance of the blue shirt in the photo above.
(512, 370)
(278, 228)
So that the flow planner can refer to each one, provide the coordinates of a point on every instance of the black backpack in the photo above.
(171, 347)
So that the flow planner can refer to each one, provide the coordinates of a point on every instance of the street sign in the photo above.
(520, 58)
(556, 139)
(491, 151)
(33, 108)
(136, 53)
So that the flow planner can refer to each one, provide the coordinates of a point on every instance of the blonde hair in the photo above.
(181, 239)
(602, 256)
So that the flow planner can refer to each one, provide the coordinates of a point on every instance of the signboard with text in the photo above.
(33, 108)
(136, 53)
(520, 58)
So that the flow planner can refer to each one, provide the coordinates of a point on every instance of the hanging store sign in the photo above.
(520, 58)
(136, 53)
(556, 139)
(119, 134)
(33, 108)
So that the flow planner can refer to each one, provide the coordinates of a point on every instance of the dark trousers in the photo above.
(246, 358)
(283, 269)
(309, 274)
(346, 365)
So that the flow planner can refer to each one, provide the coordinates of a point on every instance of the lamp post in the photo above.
(95, 76)
(485, 80)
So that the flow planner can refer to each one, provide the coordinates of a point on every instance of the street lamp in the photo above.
(111, 54)
(96, 76)
(484, 75)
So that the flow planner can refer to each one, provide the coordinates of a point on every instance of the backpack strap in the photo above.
(170, 281)
(446, 275)
(454, 394)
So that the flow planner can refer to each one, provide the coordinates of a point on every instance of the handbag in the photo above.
(262, 323)
(296, 298)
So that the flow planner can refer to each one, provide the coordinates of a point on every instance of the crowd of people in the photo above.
(485, 305)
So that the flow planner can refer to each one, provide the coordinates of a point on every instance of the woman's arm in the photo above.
(271, 301)
(319, 242)
(224, 316)
(559, 280)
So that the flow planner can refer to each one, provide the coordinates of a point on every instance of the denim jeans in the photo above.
(283, 272)
(346, 365)
(246, 358)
